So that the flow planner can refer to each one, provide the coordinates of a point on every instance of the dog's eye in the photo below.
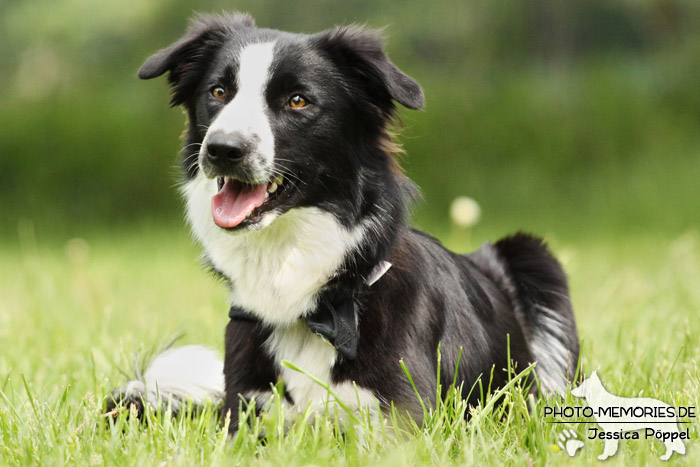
(218, 92)
(298, 102)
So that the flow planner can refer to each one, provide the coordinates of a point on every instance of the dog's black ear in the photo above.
(186, 59)
(361, 51)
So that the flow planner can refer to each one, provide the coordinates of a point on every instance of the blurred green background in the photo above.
(572, 118)
(576, 119)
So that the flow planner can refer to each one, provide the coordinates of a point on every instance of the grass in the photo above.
(73, 315)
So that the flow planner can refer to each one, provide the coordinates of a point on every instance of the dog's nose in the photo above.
(226, 149)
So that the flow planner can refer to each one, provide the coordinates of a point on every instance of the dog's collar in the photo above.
(335, 317)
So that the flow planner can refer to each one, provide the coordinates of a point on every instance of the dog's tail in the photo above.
(176, 376)
(536, 285)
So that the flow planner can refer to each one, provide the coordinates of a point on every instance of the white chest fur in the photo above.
(298, 345)
(277, 271)
(315, 356)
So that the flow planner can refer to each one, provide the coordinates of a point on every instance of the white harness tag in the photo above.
(377, 272)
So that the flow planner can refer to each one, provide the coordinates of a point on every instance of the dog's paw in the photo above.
(568, 441)
(120, 401)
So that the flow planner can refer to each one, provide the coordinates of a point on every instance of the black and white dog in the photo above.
(293, 191)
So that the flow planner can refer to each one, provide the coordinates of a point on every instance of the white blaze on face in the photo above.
(246, 113)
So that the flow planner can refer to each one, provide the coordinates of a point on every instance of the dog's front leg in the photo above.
(248, 369)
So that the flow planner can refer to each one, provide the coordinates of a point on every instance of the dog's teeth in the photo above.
(272, 188)
(278, 179)
(267, 195)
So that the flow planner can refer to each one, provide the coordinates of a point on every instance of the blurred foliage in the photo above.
(574, 116)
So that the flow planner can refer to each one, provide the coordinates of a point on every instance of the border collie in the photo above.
(293, 192)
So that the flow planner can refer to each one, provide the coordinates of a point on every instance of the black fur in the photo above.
(339, 152)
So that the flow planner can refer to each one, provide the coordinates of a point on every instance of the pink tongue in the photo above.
(235, 201)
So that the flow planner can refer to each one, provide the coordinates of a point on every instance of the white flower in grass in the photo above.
(465, 212)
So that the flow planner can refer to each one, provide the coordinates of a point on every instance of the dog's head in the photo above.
(280, 120)
(588, 387)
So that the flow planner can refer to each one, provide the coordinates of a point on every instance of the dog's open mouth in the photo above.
(239, 204)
